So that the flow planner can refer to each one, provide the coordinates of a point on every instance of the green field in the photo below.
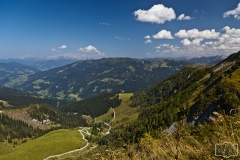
(55, 142)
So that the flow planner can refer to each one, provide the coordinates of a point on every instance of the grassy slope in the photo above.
(124, 113)
(55, 142)
(186, 143)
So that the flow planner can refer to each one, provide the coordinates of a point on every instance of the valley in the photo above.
(119, 80)
(128, 125)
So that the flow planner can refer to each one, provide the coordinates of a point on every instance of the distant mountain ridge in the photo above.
(87, 78)
(212, 60)
(39, 63)
(53, 63)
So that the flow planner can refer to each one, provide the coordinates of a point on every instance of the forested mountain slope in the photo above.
(16, 98)
(184, 101)
(34, 121)
(12, 69)
(192, 94)
(94, 106)
(84, 79)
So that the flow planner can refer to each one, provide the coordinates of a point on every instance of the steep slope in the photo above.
(84, 79)
(184, 101)
(192, 94)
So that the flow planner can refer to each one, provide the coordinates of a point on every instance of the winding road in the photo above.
(84, 130)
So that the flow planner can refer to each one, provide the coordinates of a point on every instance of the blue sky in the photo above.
(128, 28)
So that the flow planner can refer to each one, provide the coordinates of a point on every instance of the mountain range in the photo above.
(192, 104)
(87, 78)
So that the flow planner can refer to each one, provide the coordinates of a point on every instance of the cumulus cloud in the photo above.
(148, 41)
(147, 37)
(225, 42)
(195, 33)
(91, 49)
(232, 32)
(187, 42)
(53, 49)
(157, 14)
(163, 34)
(183, 17)
(63, 46)
(235, 13)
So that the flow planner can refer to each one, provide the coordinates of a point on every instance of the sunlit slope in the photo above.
(123, 113)
(55, 142)
(85, 79)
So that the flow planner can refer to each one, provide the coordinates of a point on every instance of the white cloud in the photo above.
(91, 49)
(232, 32)
(63, 46)
(165, 45)
(147, 37)
(53, 49)
(235, 13)
(195, 33)
(194, 45)
(119, 38)
(186, 42)
(157, 14)
(183, 17)
(162, 45)
(209, 43)
(103, 23)
(163, 34)
(148, 41)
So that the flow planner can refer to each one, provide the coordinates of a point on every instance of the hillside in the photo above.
(94, 106)
(184, 101)
(13, 69)
(46, 145)
(194, 93)
(85, 79)
(199, 103)
(16, 98)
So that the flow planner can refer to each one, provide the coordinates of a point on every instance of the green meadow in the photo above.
(52, 143)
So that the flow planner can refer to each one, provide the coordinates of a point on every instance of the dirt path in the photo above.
(108, 132)
(81, 132)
